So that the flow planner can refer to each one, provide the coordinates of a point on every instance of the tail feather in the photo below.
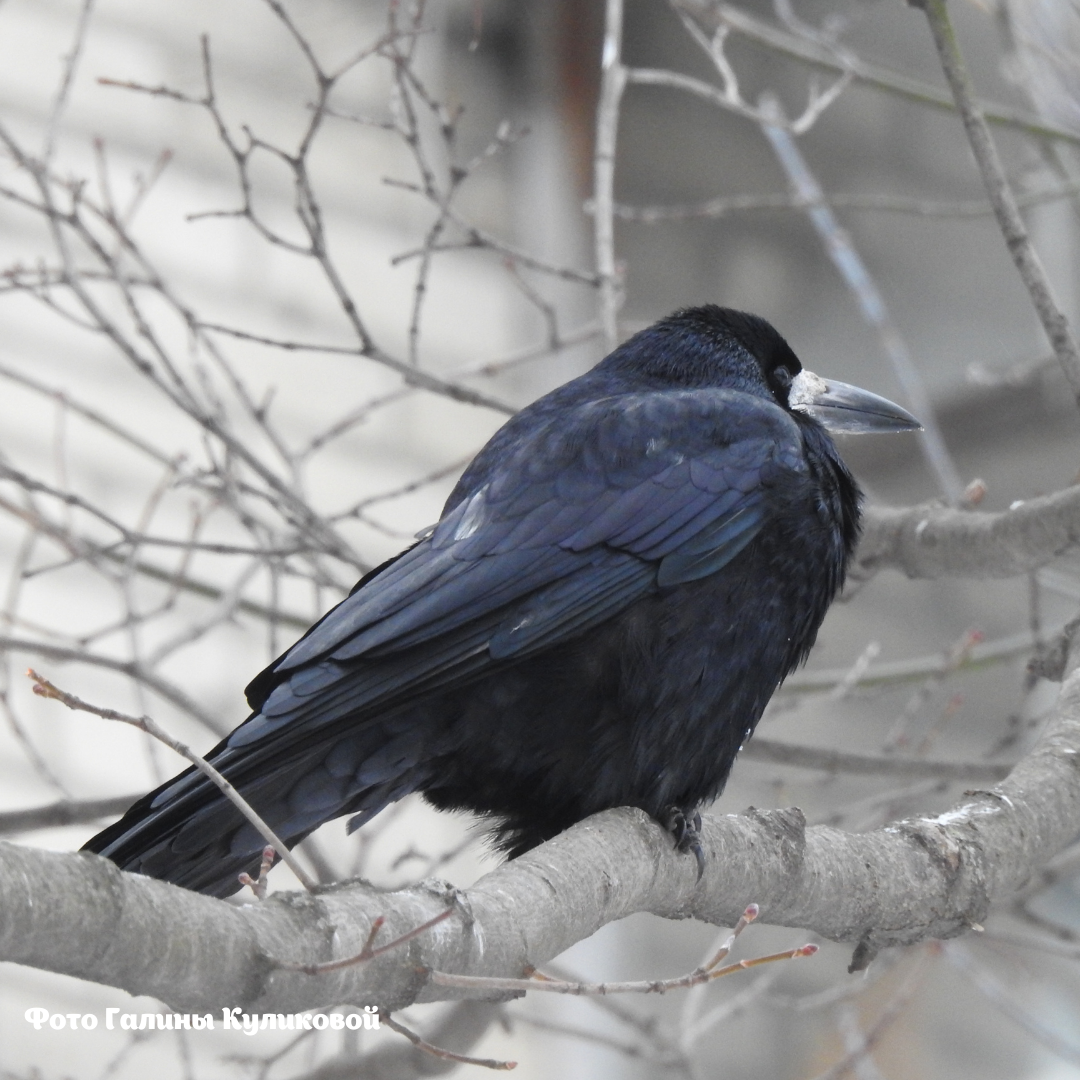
(188, 833)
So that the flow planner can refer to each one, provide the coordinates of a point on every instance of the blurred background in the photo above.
(251, 335)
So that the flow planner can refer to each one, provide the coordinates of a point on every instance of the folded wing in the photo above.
(585, 515)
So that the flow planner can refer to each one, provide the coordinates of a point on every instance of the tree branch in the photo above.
(815, 757)
(44, 688)
(612, 85)
(713, 14)
(845, 256)
(64, 812)
(916, 879)
(1000, 193)
(935, 541)
(461, 1027)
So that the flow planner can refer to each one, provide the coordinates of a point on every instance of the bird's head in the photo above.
(716, 346)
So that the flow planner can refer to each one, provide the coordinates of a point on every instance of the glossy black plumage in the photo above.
(619, 582)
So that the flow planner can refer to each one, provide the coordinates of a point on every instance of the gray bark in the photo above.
(936, 541)
(915, 879)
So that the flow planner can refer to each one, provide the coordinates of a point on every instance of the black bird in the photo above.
(617, 585)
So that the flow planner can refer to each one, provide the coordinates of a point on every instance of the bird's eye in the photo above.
(781, 378)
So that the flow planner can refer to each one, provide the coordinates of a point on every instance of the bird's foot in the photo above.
(685, 829)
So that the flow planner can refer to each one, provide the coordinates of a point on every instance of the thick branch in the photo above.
(917, 879)
(937, 541)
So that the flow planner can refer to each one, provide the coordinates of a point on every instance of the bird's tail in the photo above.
(188, 833)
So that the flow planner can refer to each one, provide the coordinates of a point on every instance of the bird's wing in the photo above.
(588, 512)
(585, 513)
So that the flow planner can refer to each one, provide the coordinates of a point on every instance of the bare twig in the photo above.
(706, 972)
(713, 14)
(642, 986)
(723, 205)
(1002, 997)
(953, 658)
(837, 761)
(1000, 193)
(612, 84)
(672, 1059)
(131, 668)
(918, 667)
(258, 885)
(863, 1044)
(65, 812)
(730, 96)
(369, 952)
(847, 261)
(445, 1055)
(46, 689)
(71, 64)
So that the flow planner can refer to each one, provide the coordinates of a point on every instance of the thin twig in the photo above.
(71, 64)
(729, 96)
(1001, 195)
(258, 885)
(46, 689)
(837, 761)
(131, 668)
(64, 812)
(83, 548)
(706, 972)
(666, 1056)
(1003, 998)
(642, 986)
(713, 14)
(919, 667)
(865, 1043)
(612, 84)
(368, 952)
(439, 1052)
(846, 259)
(723, 205)
(953, 658)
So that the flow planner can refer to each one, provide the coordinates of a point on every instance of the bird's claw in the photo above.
(686, 832)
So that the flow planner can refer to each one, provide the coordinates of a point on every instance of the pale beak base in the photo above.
(848, 409)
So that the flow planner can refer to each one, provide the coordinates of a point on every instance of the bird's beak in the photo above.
(845, 408)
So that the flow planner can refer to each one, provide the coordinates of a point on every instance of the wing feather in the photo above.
(563, 528)
(549, 558)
